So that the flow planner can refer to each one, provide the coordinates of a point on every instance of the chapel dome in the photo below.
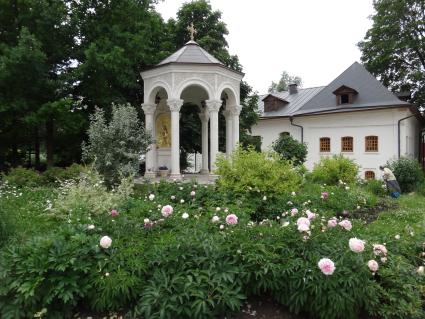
(191, 52)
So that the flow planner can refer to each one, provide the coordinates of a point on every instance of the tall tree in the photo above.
(36, 39)
(394, 47)
(283, 83)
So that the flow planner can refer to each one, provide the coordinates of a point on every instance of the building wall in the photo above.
(382, 123)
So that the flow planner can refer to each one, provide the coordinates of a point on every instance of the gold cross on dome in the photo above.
(192, 31)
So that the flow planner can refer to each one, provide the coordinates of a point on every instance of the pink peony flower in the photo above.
(373, 265)
(379, 249)
(294, 211)
(310, 215)
(303, 220)
(332, 223)
(327, 266)
(105, 242)
(346, 224)
(303, 227)
(324, 195)
(231, 219)
(167, 210)
(356, 245)
(114, 213)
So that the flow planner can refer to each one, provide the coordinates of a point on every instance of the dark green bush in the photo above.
(21, 177)
(290, 149)
(331, 170)
(408, 173)
(54, 175)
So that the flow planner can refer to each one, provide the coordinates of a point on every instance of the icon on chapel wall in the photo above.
(163, 130)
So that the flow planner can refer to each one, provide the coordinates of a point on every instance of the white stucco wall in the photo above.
(382, 123)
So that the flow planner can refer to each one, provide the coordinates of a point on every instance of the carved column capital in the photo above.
(204, 115)
(175, 104)
(148, 108)
(213, 105)
(236, 110)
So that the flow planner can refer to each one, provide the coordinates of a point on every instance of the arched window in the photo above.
(325, 144)
(371, 143)
(369, 175)
(347, 144)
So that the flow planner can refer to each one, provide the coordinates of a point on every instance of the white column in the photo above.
(175, 106)
(236, 110)
(229, 133)
(213, 108)
(204, 116)
(149, 110)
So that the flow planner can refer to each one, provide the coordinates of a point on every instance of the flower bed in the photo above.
(177, 251)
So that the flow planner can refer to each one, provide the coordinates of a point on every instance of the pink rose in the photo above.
(114, 213)
(231, 219)
(356, 245)
(327, 266)
(332, 223)
(346, 224)
(379, 249)
(373, 265)
(167, 210)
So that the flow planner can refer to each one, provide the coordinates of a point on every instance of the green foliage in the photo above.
(263, 172)
(283, 84)
(7, 224)
(393, 48)
(21, 177)
(408, 173)
(290, 149)
(54, 175)
(375, 187)
(115, 147)
(331, 170)
(89, 195)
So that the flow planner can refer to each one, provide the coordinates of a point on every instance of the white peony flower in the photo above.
(105, 242)
(215, 219)
(151, 197)
(91, 227)
(185, 216)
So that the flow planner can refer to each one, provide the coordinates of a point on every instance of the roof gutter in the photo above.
(398, 127)
(291, 119)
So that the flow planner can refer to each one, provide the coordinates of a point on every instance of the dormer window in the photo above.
(273, 103)
(344, 95)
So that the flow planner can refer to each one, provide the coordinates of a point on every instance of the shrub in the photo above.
(375, 187)
(7, 226)
(21, 177)
(331, 170)
(115, 147)
(54, 175)
(89, 195)
(248, 170)
(408, 173)
(290, 149)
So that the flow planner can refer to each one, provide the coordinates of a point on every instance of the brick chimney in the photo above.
(293, 88)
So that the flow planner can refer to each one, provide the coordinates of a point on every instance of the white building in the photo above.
(355, 115)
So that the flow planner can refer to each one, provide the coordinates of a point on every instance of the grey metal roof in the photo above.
(190, 53)
(372, 94)
(295, 101)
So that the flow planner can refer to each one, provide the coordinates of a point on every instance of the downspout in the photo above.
(398, 126)
(291, 118)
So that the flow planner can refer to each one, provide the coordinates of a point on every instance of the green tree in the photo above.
(283, 83)
(290, 149)
(36, 42)
(394, 47)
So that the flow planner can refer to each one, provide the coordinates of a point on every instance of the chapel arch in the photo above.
(158, 93)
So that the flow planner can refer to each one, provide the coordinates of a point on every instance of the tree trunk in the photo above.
(49, 141)
(37, 149)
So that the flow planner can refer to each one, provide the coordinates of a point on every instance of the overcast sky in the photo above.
(315, 40)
